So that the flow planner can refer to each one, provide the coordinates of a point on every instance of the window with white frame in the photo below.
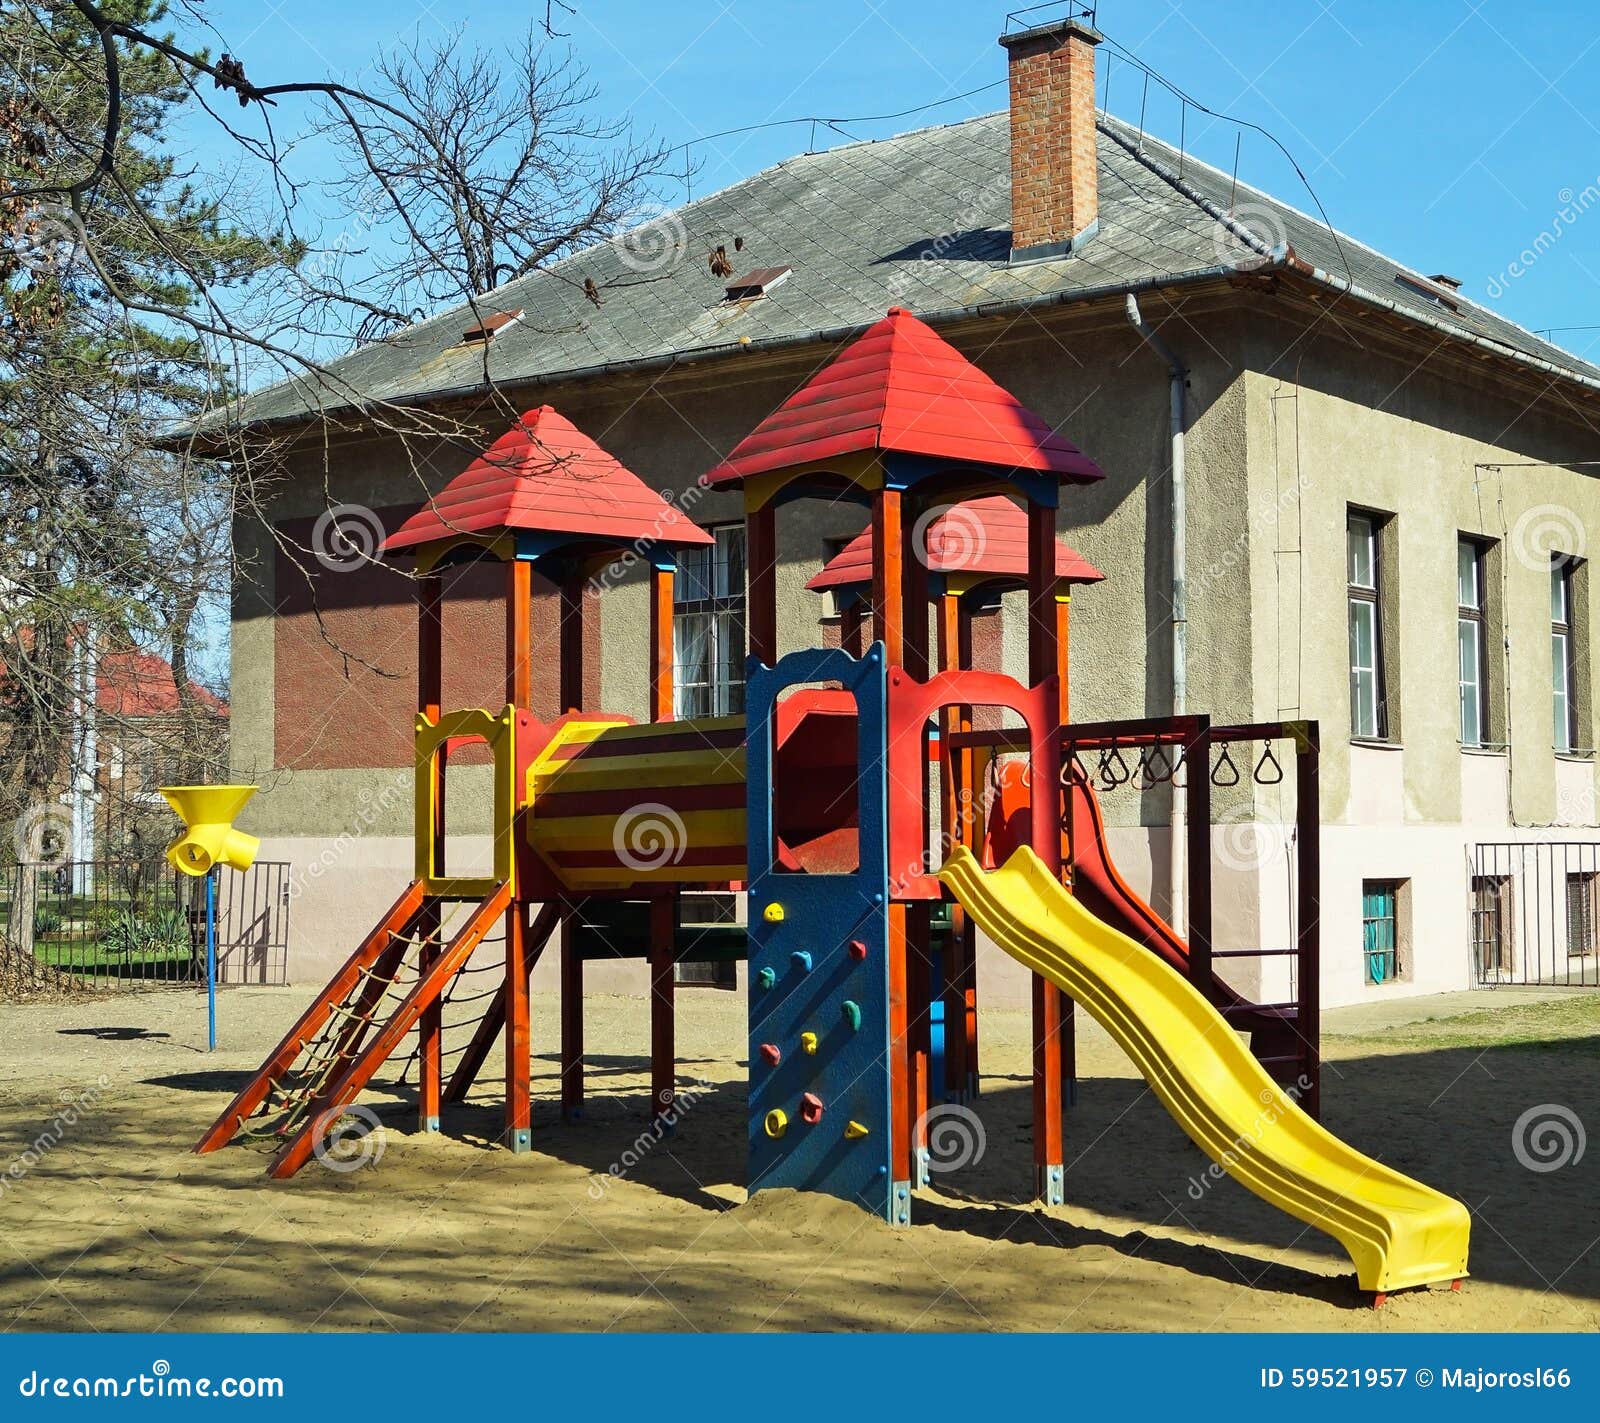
(1368, 716)
(708, 627)
(1563, 655)
(1472, 642)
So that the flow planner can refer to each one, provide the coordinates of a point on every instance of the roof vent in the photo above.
(1438, 290)
(1454, 283)
(756, 283)
(490, 326)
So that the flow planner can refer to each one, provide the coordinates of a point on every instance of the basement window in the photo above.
(491, 326)
(756, 283)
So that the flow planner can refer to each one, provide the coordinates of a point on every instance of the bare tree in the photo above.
(499, 165)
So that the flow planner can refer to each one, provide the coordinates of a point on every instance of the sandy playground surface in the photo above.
(118, 1226)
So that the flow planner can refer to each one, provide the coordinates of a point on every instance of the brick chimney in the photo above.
(1055, 189)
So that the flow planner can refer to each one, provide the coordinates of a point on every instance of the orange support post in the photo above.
(1047, 1067)
(661, 596)
(430, 696)
(888, 553)
(518, 1025)
(489, 1025)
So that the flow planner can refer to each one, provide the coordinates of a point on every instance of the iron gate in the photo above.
(1533, 910)
(139, 924)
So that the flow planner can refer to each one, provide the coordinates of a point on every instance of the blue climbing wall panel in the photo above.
(819, 965)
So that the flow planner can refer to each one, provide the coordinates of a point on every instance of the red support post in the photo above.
(663, 961)
(1047, 998)
(761, 558)
(518, 1014)
(571, 679)
(1069, 1009)
(571, 1019)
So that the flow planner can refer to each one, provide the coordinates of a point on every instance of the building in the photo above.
(1381, 488)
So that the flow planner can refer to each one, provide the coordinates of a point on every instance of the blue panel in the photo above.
(817, 985)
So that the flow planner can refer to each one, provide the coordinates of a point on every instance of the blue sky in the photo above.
(1448, 134)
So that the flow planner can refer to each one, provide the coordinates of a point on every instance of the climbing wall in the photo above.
(818, 967)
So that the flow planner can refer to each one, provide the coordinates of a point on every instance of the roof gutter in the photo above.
(756, 345)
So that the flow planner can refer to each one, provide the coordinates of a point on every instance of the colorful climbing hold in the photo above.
(772, 1053)
(775, 1123)
(808, 1044)
(803, 959)
(811, 1109)
(766, 978)
(773, 913)
(850, 1010)
(854, 1131)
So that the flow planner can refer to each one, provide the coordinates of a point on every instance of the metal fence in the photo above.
(1533, 907)
(139, 924)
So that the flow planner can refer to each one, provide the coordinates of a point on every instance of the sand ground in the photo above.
(118, 1226)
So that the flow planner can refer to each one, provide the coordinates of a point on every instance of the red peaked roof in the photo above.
(141, 684)
(545, 475)
(901, 387)
(987, 536)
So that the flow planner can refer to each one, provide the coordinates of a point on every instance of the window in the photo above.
(1581, 913)
(1368, 714)
(1491, 925)
(1380, 934)
(1472, 642)
(708, 627)
(1563, 654)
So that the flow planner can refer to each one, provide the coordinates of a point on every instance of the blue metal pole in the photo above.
(211, 960)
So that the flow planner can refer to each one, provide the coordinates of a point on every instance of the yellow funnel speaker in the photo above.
(209, 837)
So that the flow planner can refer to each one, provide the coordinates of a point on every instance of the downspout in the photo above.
(1177, 380)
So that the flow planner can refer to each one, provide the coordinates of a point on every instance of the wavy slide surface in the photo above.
(1397, 1231)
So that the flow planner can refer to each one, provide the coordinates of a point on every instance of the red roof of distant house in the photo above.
(133, 684)
(545, 475)
(902, 387)
(985, 536)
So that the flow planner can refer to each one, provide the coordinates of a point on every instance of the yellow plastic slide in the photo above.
(1397, 1231)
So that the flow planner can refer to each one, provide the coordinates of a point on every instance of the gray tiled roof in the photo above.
(921, 220)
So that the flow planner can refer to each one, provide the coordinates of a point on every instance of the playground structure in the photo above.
(852, 801)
